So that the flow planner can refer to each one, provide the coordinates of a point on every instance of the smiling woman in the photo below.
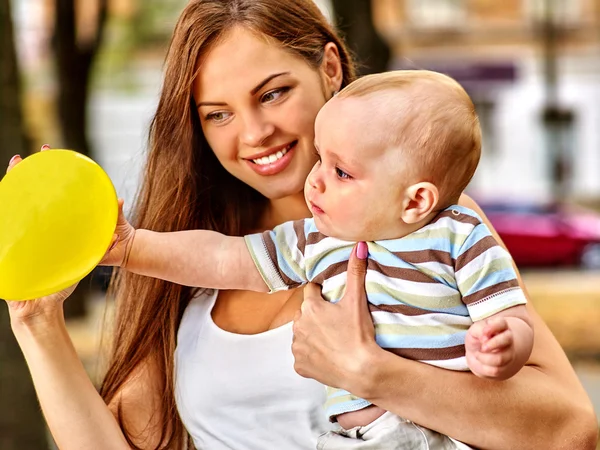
(262, 124)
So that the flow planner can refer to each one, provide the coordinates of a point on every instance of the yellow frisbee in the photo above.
(58, 213)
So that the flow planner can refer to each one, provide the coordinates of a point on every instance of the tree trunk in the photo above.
(74, 60)
(21, 422)
(354, 19)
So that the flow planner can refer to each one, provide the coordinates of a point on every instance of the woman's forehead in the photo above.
(243, 58)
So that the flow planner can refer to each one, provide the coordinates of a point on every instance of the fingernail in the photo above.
(362, 250)
(13, 159)
(45, 147)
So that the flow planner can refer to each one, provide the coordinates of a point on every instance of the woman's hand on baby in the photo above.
(490, 347)
(333, 342)
(122, 241)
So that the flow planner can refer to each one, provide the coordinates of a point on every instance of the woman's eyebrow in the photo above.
(254, 90)
(260, 85)
(211, 104)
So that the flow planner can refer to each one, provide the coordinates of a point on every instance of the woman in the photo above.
(230, 147)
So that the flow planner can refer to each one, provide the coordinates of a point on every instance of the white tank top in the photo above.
(237, 391)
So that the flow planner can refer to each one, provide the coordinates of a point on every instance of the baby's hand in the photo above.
(117, 253)
(490, 348)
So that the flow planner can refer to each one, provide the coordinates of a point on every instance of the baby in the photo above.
(396, 150)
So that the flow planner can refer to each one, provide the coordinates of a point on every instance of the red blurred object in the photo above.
(548, 235)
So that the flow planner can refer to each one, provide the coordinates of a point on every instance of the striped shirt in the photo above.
(424, 290)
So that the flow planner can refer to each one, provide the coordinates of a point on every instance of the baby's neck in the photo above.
(403, 229)
(283, 210)
(409, 228)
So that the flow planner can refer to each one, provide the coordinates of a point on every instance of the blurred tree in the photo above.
(12, 135)
(75, 50)
(21, 422)
(354, 18)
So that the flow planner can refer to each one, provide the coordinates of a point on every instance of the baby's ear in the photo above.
(419, 201)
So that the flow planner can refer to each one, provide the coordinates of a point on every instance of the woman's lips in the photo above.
(276, 166)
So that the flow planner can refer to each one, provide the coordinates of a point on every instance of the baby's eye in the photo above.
(341, 174)
(273, 95)
(217, 116)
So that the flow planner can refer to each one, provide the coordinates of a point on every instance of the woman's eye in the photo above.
(218, 116)
(273, 95)
(341, 174)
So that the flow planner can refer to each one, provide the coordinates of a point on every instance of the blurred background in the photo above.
(86, 75)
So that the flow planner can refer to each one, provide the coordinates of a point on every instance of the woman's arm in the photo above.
(542, 407)
(76, 414)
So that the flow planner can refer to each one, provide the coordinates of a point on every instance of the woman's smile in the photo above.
(272, 161)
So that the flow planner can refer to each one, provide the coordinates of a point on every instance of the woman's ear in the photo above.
(331, 67)
(420, 200)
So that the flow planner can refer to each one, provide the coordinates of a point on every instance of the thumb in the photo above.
(357, 270)
(123, 226)
(121, 217)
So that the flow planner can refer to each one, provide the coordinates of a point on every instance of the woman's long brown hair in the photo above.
(185, 187)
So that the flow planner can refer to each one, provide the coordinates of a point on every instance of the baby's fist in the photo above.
(117, 253)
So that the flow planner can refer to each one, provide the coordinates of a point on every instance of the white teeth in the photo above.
(271, 158)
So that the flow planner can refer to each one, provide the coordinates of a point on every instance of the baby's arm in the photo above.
(199, 258)
(499, 346)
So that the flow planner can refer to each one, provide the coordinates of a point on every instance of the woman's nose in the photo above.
(256, 130)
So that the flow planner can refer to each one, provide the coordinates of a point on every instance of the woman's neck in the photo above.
(284, 210)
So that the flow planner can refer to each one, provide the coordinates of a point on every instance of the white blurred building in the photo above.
(497, 51)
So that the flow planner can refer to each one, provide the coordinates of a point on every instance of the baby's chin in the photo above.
(332, 231)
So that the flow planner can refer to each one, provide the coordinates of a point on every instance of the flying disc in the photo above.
(58, 213)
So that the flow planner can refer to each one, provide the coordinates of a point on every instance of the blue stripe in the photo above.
(386, 299)
(419, 341)
(408, 244)
(491, 279)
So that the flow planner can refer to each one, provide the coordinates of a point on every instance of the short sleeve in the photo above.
(485, 275)
(279, 255)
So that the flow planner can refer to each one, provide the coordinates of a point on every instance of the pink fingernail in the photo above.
(13, 159)
(362, 250)
(45, 147)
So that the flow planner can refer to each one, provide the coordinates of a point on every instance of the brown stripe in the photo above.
(330, 271)
(483, 293)
(480, 247)
(399, 273)
(429, 354)
(425, 256)
(300, 236)
(314, 238)
(268, 240)
(390, 272)
(406, 310)
(460, 217)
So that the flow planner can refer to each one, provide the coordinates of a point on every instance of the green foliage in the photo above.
(155, 20)
(127, 40)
